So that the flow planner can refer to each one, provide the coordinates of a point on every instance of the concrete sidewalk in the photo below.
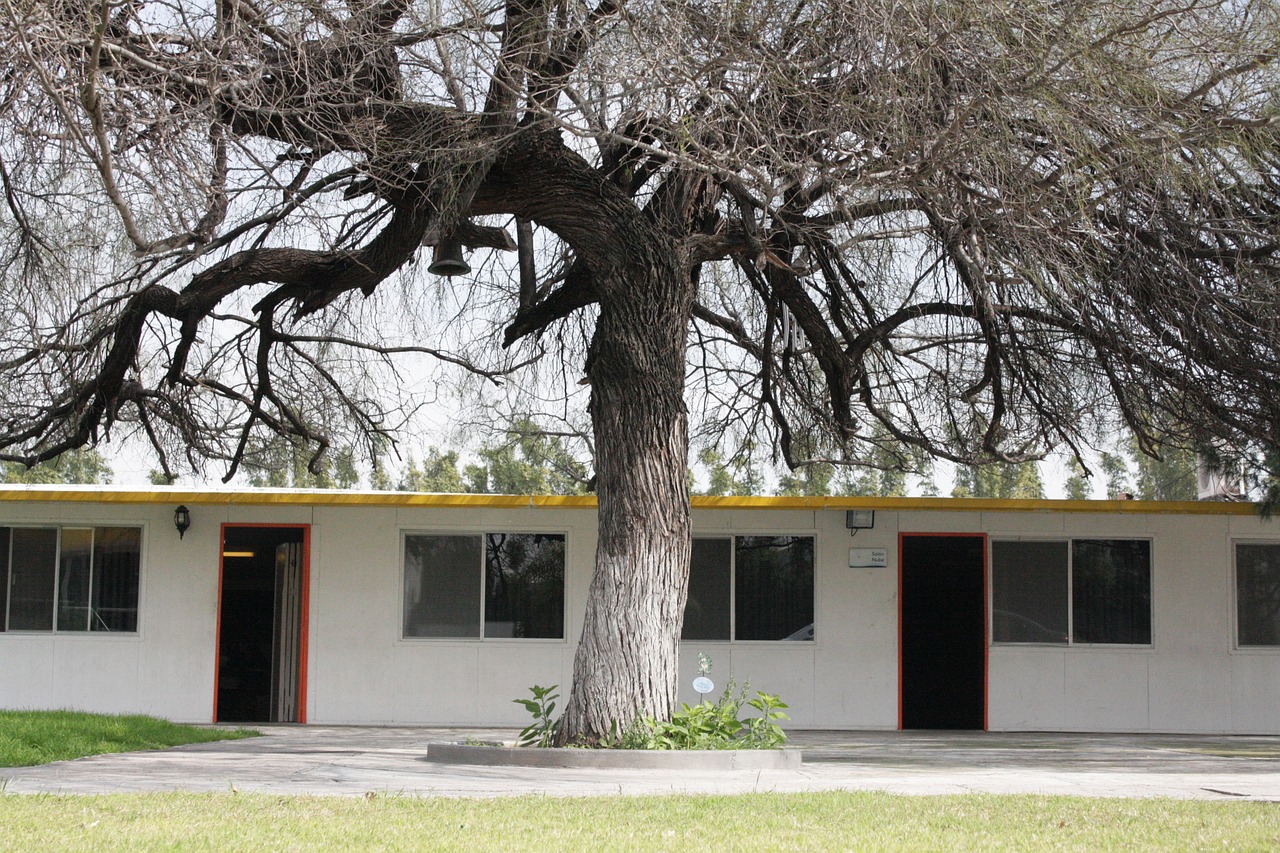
(356, 760)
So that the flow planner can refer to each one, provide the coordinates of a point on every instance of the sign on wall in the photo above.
(868, 558)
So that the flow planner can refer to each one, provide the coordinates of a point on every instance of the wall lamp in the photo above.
(181, 520)
(859, 519)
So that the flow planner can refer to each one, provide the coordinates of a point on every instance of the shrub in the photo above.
(712, 725)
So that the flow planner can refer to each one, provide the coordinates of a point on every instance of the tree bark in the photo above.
(627, 660)
(626, 663)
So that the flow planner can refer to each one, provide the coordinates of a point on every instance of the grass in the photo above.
(38, 737)
(820, 821)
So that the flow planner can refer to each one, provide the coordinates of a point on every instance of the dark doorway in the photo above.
(261, 625)
(942, 597)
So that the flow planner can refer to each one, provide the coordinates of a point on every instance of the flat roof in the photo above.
(338, 497)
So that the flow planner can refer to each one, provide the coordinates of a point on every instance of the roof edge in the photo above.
(334, 497)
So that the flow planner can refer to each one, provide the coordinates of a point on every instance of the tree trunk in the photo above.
(627, 657)
(626, 664)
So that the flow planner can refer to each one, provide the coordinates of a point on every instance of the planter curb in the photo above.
(616, 759)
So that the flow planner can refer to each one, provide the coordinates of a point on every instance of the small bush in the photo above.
(712, 725)
(542, 731)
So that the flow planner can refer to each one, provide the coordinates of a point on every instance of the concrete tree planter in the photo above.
(616, 759)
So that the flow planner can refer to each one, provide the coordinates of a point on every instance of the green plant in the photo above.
(711, 725)
(542, 731)
(764, 731)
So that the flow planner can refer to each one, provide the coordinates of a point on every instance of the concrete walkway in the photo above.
(354, 760)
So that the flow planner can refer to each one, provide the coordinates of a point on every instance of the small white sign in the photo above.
(868, 558)
(702, 684)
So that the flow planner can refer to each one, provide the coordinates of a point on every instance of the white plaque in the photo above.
(702, 684)
(868, 558)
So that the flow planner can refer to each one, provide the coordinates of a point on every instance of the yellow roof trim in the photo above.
(334, 497)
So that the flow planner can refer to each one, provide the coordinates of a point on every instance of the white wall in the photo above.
(1191, 678)
(360, 670)
(166, 669)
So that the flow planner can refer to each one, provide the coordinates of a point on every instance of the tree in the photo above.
(1012, 482)
(1077, 482)
(1116, 470)
(73, 468)
(1171, 476)
(809, 481)
(529, 461)
(439, 473)
(280, 462)
(978, 227)
(738, 476)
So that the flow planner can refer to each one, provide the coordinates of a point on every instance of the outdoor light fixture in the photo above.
(182, 520)
(446, 259)
(859, 519)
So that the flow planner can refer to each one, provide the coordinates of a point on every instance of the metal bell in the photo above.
(446, 259)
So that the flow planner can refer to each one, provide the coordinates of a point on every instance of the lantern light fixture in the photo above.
(182, 520)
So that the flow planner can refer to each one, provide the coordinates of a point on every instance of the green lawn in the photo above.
(827, 821)
(38, 737)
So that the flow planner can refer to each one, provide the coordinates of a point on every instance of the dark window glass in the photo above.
(1111, 591)
(90, 578)
(774, 587)
(521, 592)
(441, 586)
(1029, 592)
(117, 555)
(1257, 594)
(706, 612)
(32, 569)
(75, 571)
(524, 585)
(4, 577)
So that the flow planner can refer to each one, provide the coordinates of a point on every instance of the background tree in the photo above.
(1076, 485)
(979, 228)
(73, 467)
(1116, 472)
(280, 462)
(438, 473)
(738, 476)
(528, 461)
(1168, 477)
(1010, 482)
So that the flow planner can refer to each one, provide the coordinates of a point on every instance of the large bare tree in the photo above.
(966, 228)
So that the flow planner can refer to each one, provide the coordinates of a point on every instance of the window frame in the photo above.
(732, 535)
(1069, 541)
(1233, 592)
(6, 602)
(482, 581)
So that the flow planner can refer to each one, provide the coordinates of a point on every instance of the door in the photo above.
(943, 635)
(262, 617)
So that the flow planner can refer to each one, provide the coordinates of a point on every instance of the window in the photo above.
(1101, 588)
(70, 578)
(1257, 594)
(491, 585)
(1029, 592)
(765, 582)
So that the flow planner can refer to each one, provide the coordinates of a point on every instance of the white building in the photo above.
(338, 607)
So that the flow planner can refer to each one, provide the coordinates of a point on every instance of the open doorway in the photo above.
(943, 640)
(262, 621)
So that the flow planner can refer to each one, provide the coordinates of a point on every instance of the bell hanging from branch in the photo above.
(446, 258)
